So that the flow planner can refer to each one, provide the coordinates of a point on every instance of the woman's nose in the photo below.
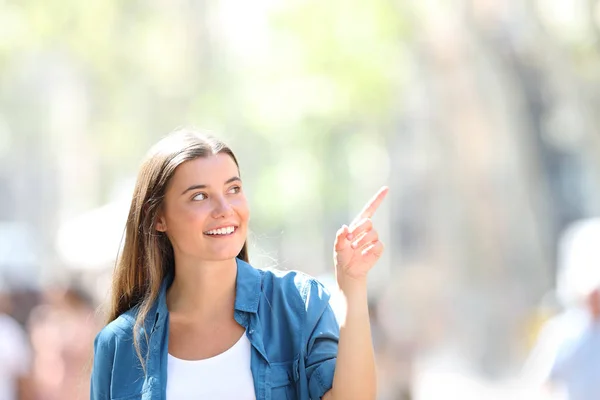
(222, 208)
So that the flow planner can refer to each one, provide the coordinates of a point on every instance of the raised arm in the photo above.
(357, 248)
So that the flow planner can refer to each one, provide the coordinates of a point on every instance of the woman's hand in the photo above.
(357, 247)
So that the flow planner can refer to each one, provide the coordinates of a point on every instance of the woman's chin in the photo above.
(223, 254)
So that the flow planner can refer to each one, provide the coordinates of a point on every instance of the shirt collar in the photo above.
(247, 287)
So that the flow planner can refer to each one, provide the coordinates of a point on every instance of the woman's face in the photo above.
(205, 213)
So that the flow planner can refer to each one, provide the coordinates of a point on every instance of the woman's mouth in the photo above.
(223, 231)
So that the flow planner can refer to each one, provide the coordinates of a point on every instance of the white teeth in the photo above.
(221, 231)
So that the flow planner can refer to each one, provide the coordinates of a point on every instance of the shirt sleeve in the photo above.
(322, 346)
(104, 351)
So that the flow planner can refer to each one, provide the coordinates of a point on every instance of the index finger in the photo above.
(372, 205)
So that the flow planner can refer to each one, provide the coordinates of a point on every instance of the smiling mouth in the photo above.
(227, 231)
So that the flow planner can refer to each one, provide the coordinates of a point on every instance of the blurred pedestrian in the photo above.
(62, 330)
(566, 357)
(15, 354)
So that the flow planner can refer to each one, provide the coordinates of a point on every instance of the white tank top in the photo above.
(226, 376)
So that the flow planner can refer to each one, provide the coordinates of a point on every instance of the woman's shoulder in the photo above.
(295, 283)
(297, 298)
(119, 329)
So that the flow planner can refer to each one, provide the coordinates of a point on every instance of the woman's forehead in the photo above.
(212, 170)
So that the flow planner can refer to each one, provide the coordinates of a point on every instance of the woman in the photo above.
(191, 319)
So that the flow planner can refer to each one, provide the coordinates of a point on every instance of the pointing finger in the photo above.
(372, 205)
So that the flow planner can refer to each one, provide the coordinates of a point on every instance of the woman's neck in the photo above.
(204, 289)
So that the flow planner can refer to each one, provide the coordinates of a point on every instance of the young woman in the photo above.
(191, 319)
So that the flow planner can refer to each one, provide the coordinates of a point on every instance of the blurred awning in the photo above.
(92, 240)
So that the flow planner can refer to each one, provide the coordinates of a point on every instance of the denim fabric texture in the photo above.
(288, 320)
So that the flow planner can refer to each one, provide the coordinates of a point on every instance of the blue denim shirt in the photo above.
(288, 320)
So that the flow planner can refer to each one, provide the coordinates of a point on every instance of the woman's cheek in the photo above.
(241, 205)
(195, 214)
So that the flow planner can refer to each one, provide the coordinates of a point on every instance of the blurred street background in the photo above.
(481, 115)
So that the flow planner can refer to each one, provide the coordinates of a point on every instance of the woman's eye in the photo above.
(235, 189)
(199, 196)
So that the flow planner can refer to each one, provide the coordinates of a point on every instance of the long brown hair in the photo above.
(147, 256)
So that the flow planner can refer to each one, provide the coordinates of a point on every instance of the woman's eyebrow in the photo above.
(201, 186)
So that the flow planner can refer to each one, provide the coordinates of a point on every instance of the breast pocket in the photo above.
(282, 381)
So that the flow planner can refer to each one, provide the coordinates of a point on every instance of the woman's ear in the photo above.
(161, 224)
